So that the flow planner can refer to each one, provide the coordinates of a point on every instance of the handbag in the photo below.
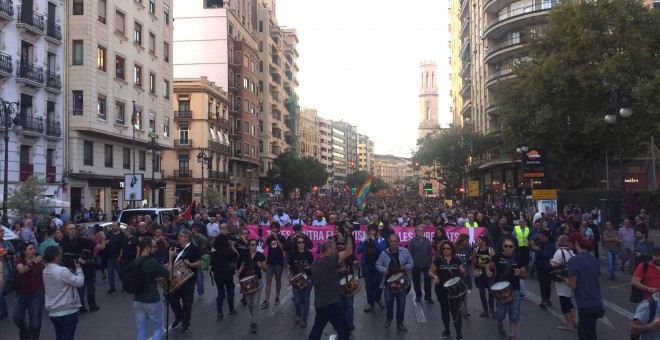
(560, 272)
(635, 293)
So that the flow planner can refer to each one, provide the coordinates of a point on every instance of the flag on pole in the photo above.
(134, 116)
(362, 193)
(187, 215)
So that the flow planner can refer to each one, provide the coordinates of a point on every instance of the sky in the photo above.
(359, 61)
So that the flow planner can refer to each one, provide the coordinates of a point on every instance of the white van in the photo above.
(157, 214)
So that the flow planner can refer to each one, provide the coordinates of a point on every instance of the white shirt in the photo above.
(562, 288)
(58, 222)
(283, 220)
(316, 223)
(212, 229)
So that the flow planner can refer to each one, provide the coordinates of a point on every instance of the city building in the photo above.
(395, 171)
(118, 98)
(339, 158)
(325, 147)
(32, 64)
(350, 137)
(365, 153)
(309, 133)
(200, 158)
(429, 123)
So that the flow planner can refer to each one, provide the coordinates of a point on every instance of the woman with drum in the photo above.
(300, 264)
(223, 266)
(464, 252)
(249, 274)
(447, 270)
(483, 253)
(508, 268)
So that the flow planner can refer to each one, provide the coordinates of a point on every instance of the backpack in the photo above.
(635, 293)
(133, 279)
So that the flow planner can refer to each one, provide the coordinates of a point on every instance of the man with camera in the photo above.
(62, 300)
(76, 245)
(7, 260)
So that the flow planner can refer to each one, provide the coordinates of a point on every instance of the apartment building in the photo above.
(118, 98)
(395, 171)
(32, 64)
(348, 133)
(339, 158)
(325, 148)
(309, 133)
(200, 157)
(365, 153)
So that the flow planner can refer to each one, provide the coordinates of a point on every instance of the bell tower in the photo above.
(428, 99)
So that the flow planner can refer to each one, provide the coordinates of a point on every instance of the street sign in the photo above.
(277, 187)
(544, 194)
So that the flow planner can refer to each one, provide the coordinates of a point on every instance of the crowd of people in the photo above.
(58, 270)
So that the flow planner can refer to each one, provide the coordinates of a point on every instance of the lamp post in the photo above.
(249, 172)
(203, 157)
(622, 101)
(522, 150)
(7, 109)
(155, 154)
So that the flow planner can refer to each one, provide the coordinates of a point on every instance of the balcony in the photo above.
(183, 115)
(494, 129)
(234, 85)
(465, 49)
(465, 69)
(53, 128)
(467, 110)
(26, 170)
(218, 175)
(503, 49)
(519, 17)
(182, 174)
(32, 22)
(54, 33)
(217, 146)
(6, 67)
(183, 143)
(277, 132)
(53, 82)
(51, 173)
(497, 76)
(6, 10)
(464, 28)
(277, 114)
(236, 108)
(492, 109)
(30, 74)
(32, 125)
(223, 123)
(235, 132)
(465, 9)
(467, 87)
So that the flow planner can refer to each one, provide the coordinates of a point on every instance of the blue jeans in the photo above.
(33, 304)
(301, 300)
(145, 312)
(611, 262)
(200, 281)
(347, 304)
(372, 280)
(65, 326)
(512, 306)
(113, 265)
(400, 304)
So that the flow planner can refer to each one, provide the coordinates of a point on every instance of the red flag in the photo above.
(134, 116)
(187, 214)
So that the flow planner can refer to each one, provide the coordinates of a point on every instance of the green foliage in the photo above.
(292, 173)
(213, 197)
(356, 179)
(589, 52)
(28, 197)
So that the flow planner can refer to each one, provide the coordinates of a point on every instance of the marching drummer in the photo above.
(445, 267)
(300, 261)
(252, 263)
(509, 268)
(394, 260)
(345, 269)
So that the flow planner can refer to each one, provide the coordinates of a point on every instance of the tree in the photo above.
(356, 179)
(28, 197)
(590, 52)
(213, 197)
(293, 173)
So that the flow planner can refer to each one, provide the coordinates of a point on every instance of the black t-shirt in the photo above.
(504, 267)
(275, 253)
(223, 261)
(190, 253)
(326, 283)
(242, 248)
(145, 234)
(298, 261)
(446, 271)
(250, 265)
(129, 249)
(371, 252)
(113, 247)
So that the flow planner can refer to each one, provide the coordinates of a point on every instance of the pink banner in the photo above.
(320, 234)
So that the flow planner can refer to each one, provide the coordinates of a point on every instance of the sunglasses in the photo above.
(253, 244)
(508, 246)
(301, 242)
(446, 248)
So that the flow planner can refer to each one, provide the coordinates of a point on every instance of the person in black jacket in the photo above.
(300, 261)
(223, 266)
(75, 242)
(113, 244)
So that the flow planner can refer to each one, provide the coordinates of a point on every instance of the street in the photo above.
(115, 319)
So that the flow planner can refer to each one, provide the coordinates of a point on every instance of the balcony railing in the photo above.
(183, 143)
(504, 44)
(32, 19)
(53, 81)
(522, 11)
(218, 146)
(7, 7)
(32, 124)
(277, 132)
(5, 64)
(54, 31)
(218, 175)
(30, 72)
(51, 173)
(277, 114)
(182, 174)
(501, 73)
(53, 128)
(183, 114)
(26, 170)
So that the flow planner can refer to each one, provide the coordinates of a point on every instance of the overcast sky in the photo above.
(359, 61)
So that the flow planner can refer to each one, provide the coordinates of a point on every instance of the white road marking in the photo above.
(419, 312)
(537, 299)
(625, 313)
(606, 321)
(283, 301)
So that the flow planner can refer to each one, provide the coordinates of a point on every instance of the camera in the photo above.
(69, 259)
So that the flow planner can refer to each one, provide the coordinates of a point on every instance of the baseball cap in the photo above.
(319, 214)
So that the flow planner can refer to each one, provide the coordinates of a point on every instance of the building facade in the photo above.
(118, 98)
(428, 99)
(325, 147)
(309, 133)
(395, 171)
(32, 64)
(365, 153)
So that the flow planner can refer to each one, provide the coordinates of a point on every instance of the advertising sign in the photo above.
(534, 164)
(473, 188)
(133, 187)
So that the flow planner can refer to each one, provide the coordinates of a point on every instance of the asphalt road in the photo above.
(115, 320)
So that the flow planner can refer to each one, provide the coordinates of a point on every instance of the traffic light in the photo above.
(267, 189)
(462, 190)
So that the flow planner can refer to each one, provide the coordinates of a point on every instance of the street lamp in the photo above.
(202, 157)
(620, 99)
(155, 154)
(522, 150)
(249, 171)
(7, 109)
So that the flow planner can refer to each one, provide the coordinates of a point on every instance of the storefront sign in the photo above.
(534, 164)
(544, 194)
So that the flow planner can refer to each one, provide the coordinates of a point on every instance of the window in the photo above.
(183, 164)
(77, 103)
(166, 127)
(152, 122)
(152, 6)
(166, 52)
(246, 83)
(88, 153)
(137, 34)
(50, 157)
(120, 23)
(261, 146)
(120, 113)
(101, 108)
(137, 75)
(78, 7)
(166, 15)
(152, 43)
(102, 4)
(166, 88)
(25, 154)
(108, 156)
(119, 67)
(152, 82)
(142, 160)
(77, 52)
(126, 158)
(100, 58)
(183, 134)
(137, 119)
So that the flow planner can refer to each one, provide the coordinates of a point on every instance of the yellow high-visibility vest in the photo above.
(521, 236)
(474, 224)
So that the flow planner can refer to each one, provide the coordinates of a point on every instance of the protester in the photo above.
(300, 261)
(76, 243)
(30, 295)
(61, 296)
(420, 250)
(371, 247)
(395, 259)
(147, 305)
(445, 267)
(252, 264)
(583, 278)
(275, 261)
(181, 300)
(7, 259)
(611, 247)
(223, 266)
(560, 259)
